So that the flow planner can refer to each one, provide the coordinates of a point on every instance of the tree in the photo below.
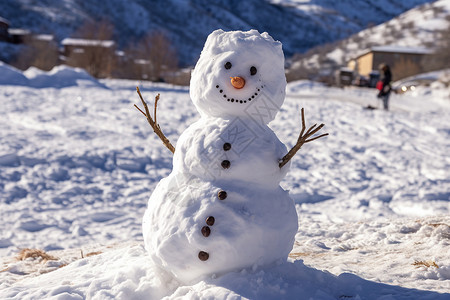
(155, 57)
(440, 59)
(39, 51)
(95, 51)
(101, 30)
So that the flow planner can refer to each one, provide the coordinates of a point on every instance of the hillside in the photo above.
(298, 25)
(418, 27)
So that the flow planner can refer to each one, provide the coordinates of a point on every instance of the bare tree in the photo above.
(39, 51)
(156, 57)
(96, 51)
(440, 59)
(95, 30)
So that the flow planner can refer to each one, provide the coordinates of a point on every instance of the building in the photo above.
(95, 56)
(404, 61)
(73, 46)
(4, 26)
(19, 35)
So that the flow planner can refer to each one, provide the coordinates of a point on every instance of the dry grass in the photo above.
(90, 253)
(34, 253)
(437, 225)
(297, 255)
(422, 263)
(94, 253)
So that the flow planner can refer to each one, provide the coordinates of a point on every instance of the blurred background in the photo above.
(338, 43)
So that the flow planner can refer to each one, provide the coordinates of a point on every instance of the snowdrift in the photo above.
(125, 272)
(58, 77)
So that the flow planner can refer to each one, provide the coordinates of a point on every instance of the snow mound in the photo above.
(59, 77)
(11, 75)
(125, 272)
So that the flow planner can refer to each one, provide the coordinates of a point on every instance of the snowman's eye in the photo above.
(227, 65)
(253, 71)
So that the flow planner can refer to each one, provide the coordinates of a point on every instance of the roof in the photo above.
(400, 49)
(396, 49)
(3, 20)
(87, 42)
(18, 31)
(44, 37)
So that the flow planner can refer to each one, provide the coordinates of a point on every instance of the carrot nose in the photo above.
(237, 82)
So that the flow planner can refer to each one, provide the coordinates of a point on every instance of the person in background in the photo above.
(385, 87)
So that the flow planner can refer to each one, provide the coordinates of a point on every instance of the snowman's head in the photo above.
(236, 70)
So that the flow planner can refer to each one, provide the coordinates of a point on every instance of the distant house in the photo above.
(18, 35)
(44, 38)
(4, 25)
(404, 61)
(73, 46)
(95, 56)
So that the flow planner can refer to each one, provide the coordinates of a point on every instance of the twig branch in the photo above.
(153, 123)
(302, 139)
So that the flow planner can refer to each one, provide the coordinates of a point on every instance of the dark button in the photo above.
(206, 231)
(226, 146)
(202, 255)
(222, 195)
(226, 164)
(210, 220)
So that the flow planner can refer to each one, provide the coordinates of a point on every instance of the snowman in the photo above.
(222, 209)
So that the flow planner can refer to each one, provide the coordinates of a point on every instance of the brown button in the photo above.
(222, 195)
(202, 255)
(210, 220)
(206, 231)
(225, 164)
(226, 146)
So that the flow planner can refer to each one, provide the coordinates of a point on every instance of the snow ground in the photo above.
(78, 163)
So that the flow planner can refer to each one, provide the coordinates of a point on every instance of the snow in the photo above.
(18, 31)
(44, 37)
(58, 77)
(85, 42)
(416, 50)
(220, 48)
(78, 163)
(11, 75)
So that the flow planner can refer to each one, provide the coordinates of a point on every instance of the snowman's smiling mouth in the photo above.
(230, 99)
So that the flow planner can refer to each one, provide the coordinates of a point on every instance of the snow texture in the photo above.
(78, 163)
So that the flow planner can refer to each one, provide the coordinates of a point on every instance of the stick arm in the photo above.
(152, 122)
(302, 139)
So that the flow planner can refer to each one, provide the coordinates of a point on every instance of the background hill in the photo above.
(299, 25)
(426, 26)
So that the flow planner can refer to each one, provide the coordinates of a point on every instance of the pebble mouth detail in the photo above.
(250, 98)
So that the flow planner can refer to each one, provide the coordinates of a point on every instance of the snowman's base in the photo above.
(252, 226)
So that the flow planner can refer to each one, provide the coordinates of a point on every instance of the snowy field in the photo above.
(78, 163)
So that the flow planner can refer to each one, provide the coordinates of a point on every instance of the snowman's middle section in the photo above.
(221, 208)
(237, 150)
